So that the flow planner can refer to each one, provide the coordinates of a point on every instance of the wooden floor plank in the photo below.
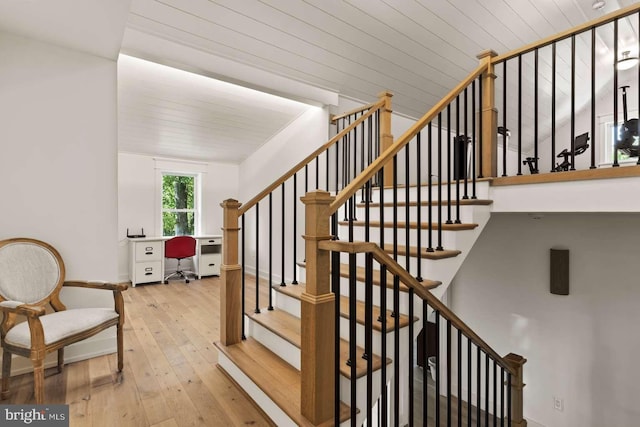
(164, 324)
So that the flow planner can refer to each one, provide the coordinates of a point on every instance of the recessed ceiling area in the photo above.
(167, 112)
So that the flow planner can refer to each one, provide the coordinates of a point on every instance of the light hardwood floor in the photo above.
(170, 376)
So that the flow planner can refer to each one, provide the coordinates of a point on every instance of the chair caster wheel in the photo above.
(166, 282)
(186, 281)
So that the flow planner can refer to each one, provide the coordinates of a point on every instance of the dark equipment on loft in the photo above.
(580, 146)
(628, 141)
(532, 163)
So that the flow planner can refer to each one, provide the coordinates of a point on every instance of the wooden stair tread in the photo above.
(403, 319)
(287, 327)
(275, 377)
(413, 225)
(344, 309)
(413, 252)
(360, 274)
(462, 202)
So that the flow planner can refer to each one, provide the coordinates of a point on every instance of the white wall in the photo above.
(58, 163)
(139, 196)
(581, 347)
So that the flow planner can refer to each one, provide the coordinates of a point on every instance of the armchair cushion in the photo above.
(60, 325)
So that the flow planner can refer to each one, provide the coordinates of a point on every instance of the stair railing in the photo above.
(453, 139)
(495, 381)
(552, 91)
(358, 138)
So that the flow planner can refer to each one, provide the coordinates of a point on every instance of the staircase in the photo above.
(273, 337)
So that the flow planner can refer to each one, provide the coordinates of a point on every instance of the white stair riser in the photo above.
(482, 192)
(449, 237)
(467, 213)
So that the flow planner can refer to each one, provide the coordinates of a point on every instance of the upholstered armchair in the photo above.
(32, 274)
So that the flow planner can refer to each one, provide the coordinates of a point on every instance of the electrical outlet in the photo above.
(558, 403)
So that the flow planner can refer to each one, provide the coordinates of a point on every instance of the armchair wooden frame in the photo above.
(35, 311)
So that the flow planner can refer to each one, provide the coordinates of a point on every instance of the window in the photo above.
(179, 214)
(610, 133)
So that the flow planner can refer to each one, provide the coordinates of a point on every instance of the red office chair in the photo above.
(179, 247)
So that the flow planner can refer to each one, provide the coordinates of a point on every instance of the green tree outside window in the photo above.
(178, 205)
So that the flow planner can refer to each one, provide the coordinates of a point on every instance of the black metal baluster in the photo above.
(535, 108)
(326, 170)
(553, 107)
(306, 178)
(449, 221)
(395, 209)
(244, 233)
(438, 369)
(495, 393)
(338, 161)
(478, 386)
(480, 175)
(519, 115)
(464, 152)
(257, 309)
(573, 103)
(411, 360)
(474, 172)
(593, 98)
(370, 151)
(501, 397)
(362, 138)
(486, 389)
(456, 160)
(439, 246)
(448, 373)
(419, 206)
(352, 333)
(368, 338)
(425, 363)
(396, 350)
(615, 93)
(407, 209)
(282, 241)
(469, 382)
(270, 308)
(295, 222)
(383, 339)
(459, 378)
(504, 119)
(509, 400)
(430, 203)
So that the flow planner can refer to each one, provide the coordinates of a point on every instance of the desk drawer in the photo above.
(148, 251)
(210, 265)
(148, 272)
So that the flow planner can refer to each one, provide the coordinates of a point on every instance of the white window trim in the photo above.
(160, 173)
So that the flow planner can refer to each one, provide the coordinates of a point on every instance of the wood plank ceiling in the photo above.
(418, 49)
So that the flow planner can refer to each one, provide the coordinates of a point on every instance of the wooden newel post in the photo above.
(517, 387)
(230, 272)
(318, 322)
(489, 117)
(386, 137)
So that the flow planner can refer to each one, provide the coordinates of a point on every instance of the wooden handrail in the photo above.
(396, 269)
(399, 144)
(568, 33)
(354, 111)
(309, 158)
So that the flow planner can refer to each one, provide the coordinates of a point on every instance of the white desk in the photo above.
(146, 258)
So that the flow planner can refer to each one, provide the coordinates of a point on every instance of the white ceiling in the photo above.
(172, 113)
(307, 50)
